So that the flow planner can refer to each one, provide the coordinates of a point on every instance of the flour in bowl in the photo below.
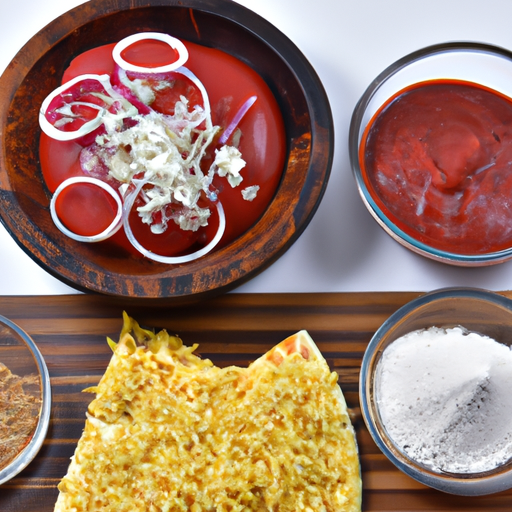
(444, 398)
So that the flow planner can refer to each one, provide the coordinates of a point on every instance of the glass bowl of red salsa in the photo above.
(285, 137)
(430, 149)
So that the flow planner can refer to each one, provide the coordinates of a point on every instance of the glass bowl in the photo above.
(25, 399)
(482, 64)
(476, 310)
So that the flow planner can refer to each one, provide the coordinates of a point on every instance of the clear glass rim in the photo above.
(35, 444)
(353, 143)
(473, 484)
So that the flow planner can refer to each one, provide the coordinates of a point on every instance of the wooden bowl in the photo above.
(37, 70)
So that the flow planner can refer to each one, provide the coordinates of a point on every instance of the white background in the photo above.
(348, 43)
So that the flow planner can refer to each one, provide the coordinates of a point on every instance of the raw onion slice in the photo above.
(206, 100)
(174, 43)
(236, 120)
(88, 126)
(114, 226)
(126, 89)
(172, 260)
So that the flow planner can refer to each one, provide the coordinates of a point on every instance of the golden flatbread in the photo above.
(169, 431)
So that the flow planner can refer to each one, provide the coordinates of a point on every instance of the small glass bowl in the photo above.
(480, 63)
(477, 310)
(21, 358)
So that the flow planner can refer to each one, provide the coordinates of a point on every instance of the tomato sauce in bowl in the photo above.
(429, 150)
(437, 157)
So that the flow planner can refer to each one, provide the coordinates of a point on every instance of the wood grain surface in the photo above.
(71, 333)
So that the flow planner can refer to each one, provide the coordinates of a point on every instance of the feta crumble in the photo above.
(165, 151)
(229, 162)
(250, 193)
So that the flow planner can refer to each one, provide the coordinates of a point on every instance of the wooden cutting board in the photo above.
(71, 333)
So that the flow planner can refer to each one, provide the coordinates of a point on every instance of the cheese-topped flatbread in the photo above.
(169, 431)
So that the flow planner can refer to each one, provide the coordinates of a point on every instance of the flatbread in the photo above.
(169, 431)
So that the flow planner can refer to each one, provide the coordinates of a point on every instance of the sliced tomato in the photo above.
(60, 160)
(261, 135)
(150, 53)
(262, 141)
(168, 90)
(85, 209)
(98, 60)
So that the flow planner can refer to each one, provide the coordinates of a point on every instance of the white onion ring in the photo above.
(174, 43)
(114, 226)
(172, 260)
(87, 127)
(206, 100)
(236, 120)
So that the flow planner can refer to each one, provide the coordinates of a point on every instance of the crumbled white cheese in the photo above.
(166, 152)
(250, 193)
(229, 161)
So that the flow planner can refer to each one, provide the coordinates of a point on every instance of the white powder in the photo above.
(445, 399)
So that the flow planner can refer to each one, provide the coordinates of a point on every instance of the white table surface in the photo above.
(348, 43)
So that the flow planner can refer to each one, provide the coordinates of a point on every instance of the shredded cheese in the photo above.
(169, 431)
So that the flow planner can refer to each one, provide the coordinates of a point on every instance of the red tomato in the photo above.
(60, 160)
(262, 139)
(166, 98)
(85, 209)
(98, 61)
(150, 53)
(262, 142)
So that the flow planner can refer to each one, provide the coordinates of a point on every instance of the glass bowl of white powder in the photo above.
(435, 390)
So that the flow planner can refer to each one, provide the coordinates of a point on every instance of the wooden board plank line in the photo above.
(234, 329)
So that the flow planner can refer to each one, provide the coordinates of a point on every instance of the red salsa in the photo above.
(229, 83)
(437, 160)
